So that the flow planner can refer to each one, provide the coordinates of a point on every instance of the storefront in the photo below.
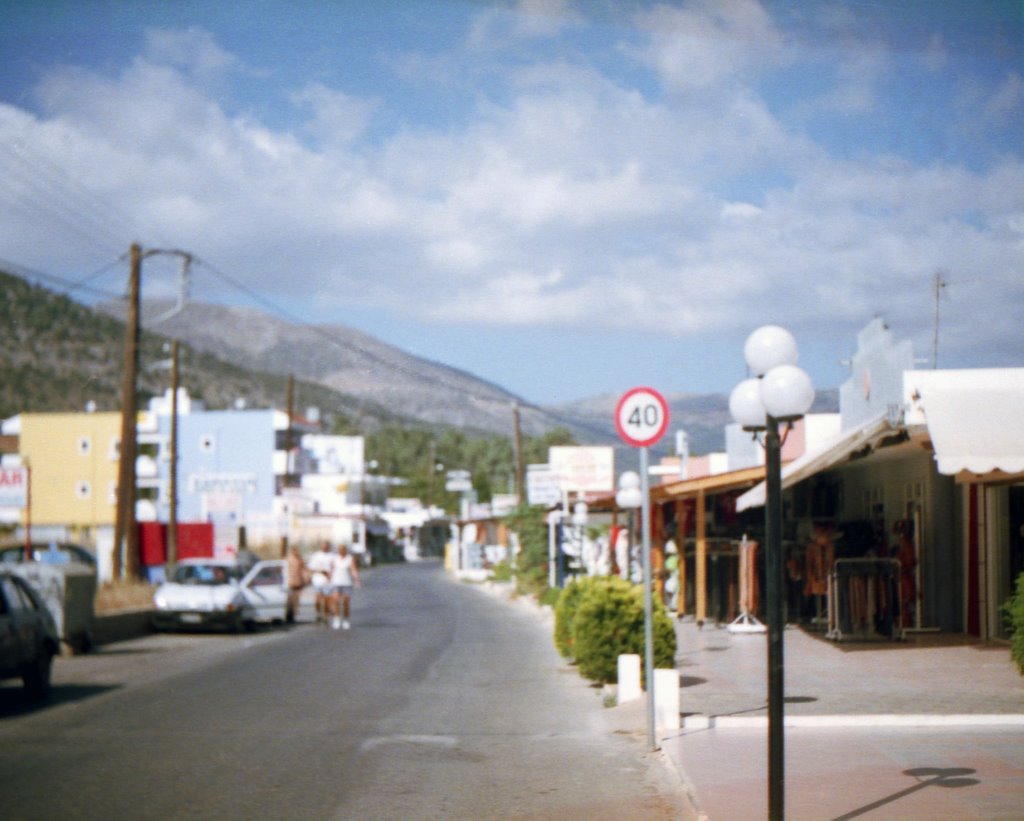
(976, 430)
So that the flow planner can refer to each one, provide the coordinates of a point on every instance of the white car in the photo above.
(222, 593)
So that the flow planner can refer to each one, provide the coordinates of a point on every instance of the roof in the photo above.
(689, 488)
(974, 417)
(823, 457)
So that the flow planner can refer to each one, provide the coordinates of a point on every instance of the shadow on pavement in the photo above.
(949, 777)
(14, 702)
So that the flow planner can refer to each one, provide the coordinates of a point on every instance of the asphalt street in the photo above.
(439, 703)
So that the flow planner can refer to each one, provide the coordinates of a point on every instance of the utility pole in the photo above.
(288, 432)
(126, 532)
(172, 523)
(126, 536)
(520, 488)
(430, 473)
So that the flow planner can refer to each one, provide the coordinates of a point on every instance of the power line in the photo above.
(64, 285)
(468, 393)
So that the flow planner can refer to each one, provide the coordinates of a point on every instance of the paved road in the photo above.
(439, 703)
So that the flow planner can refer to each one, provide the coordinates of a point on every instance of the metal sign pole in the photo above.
(645, 527)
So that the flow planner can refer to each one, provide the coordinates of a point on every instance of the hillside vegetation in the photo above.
(59, 355)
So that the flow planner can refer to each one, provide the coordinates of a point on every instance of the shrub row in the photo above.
(599, 618)
(1013, 612)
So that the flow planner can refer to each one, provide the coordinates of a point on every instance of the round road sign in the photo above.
(641, 417)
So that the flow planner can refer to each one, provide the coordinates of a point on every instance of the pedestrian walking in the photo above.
(298, 578)
(343, 578)
(321, 568)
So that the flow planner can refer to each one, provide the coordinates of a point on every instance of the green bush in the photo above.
(1013, 612)
(501, 572)
(532, 562)
(609, 622)
(565, 612)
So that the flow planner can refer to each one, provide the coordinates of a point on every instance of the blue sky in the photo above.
(567, 199)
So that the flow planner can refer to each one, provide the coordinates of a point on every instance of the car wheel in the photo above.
(37, 677)
(237, 625)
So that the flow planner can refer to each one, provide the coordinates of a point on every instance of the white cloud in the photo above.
(192, 50)
(710, 42)
(337, 117)
(570, 199)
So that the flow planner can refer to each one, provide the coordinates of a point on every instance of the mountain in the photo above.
(57, 354)
(702, 416)
(357, 365)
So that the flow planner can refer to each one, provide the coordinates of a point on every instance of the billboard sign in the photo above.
(14, 487)
(584, 469)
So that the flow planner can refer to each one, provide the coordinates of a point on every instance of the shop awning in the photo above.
(715, 483)
(975, 418)
(822, 458)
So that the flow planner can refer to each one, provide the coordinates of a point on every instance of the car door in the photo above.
(11, 656)
(265, 590)
(19, 634)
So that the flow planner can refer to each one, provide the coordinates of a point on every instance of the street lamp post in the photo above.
(780, 393)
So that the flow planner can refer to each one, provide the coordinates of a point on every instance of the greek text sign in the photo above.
(244, 483)
(14, 487)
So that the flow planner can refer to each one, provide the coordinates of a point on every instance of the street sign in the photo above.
(641, 417)
(458, 481)
(542, 486)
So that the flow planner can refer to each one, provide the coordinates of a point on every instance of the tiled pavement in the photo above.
(931, 727)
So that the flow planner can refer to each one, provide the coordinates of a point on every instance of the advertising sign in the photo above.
(14, 487)
(584, 469)
(542, 486)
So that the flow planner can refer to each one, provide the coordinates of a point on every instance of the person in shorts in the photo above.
(344, 577)
(321, 568)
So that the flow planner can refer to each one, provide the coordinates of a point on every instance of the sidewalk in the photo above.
(931, 727)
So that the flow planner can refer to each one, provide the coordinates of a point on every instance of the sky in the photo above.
(567, 199)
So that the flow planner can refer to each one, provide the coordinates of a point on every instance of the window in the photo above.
(84, 446)
(272, 576)
(82, 489)
(207, 443)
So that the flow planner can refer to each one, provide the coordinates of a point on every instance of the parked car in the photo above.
(55, 552)
(28, 635)
(221, 593)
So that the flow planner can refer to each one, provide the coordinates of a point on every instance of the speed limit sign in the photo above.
(641, 417)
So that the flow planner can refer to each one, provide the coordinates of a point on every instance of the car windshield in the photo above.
(211, 574)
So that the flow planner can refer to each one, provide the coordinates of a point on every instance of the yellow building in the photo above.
(73, 458)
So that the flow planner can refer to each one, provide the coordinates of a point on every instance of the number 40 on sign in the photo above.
(641, 417)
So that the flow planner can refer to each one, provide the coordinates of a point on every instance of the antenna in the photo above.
(940, 283)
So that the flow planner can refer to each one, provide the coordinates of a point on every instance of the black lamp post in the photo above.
(781, 393)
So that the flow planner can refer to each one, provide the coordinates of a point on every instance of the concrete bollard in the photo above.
(629, 678)
(666, 699)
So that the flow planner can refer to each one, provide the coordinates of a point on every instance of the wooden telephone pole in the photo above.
(126, 559)
(172, 516)
(126, 534)
(520, 479)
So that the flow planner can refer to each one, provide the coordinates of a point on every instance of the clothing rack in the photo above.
(863, 600)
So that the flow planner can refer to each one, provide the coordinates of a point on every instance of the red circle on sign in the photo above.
(641, 417)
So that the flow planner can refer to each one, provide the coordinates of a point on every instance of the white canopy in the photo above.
(975, 418)
(821, 458)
